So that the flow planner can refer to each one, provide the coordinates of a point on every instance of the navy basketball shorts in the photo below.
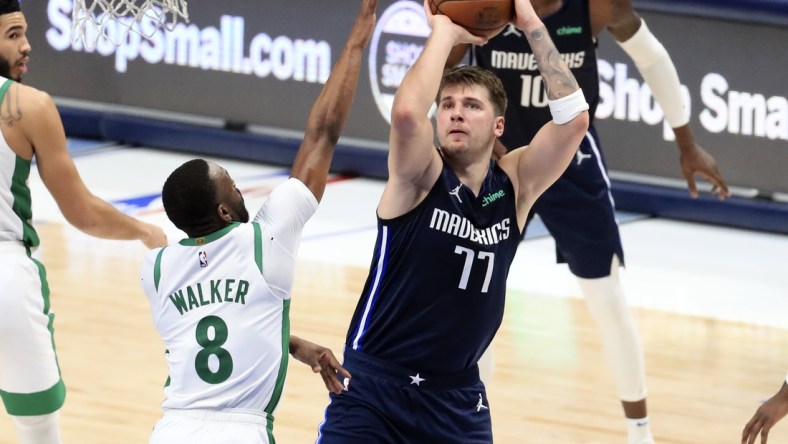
(579, 212)
(388, 404)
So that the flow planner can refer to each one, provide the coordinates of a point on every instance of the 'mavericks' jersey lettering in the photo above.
(527, 61)
(459, 226)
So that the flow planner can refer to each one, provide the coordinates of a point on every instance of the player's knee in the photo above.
(605, 299)
(38, 429)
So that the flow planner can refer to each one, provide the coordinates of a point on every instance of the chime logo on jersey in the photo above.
(492, 197)
(203, 258)
(397, 41)
(569, 30)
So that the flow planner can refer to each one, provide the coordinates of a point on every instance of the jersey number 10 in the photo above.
(533, 93)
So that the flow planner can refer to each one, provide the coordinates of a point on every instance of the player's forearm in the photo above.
(558, 79)
(300, 349)
(330, 112)
(332, 107)
(98, 218)
(655, 65)
(685, 139)
(295, 344)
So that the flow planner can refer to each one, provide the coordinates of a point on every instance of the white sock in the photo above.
(639, 431)
(40, 429)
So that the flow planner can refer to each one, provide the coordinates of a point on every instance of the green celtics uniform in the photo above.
(30, 381)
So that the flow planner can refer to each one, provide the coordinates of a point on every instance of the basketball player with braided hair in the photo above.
(450, 221)
(30, 384)
(591, 244)
(220, 298)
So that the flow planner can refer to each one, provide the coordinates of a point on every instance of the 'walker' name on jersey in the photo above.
(459, 226)
(221, 290)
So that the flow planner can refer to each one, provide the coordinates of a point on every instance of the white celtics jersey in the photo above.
(221, 302)
(15, 205)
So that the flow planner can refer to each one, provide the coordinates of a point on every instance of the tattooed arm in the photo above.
(558, 79)
(10, 111)
(537, 166)
(32, 127)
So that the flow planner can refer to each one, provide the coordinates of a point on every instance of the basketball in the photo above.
(485, 18)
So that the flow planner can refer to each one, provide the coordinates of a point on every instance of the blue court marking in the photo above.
(132, 204)
(137, 203)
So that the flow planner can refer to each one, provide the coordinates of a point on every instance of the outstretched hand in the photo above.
(460, 34)
(154, 237)
(765, 417)
(697, 160)
(321, 360)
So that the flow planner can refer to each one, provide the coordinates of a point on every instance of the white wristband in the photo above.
(657, 69)
(567, 108)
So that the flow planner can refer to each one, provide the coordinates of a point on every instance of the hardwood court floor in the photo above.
(550, 385)
(712, 322)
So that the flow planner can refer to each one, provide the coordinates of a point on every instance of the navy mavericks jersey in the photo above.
(434, 297)
(509, 55)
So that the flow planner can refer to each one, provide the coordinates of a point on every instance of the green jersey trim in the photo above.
(258, 246)
(157, 269)
(195, 241)
(280, 379)
(39, 403)
(23, 203)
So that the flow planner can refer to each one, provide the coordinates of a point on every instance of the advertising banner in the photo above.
(263, 63)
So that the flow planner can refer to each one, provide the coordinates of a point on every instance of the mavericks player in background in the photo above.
(578, 209)
(450, 221)
(30, 384)
(220, 298)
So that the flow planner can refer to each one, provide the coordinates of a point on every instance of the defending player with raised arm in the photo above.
(31, 386)
(449, 224)
(220, 299)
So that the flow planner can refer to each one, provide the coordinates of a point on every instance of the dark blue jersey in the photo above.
(434, 297)
(510, 56)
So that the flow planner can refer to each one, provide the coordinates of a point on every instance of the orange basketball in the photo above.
(481, 17)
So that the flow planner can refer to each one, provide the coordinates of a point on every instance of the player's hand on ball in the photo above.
(461, 35)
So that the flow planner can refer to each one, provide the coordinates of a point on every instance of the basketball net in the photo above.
(115, 19)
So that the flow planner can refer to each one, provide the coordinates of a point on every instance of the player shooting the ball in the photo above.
(434, 297)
